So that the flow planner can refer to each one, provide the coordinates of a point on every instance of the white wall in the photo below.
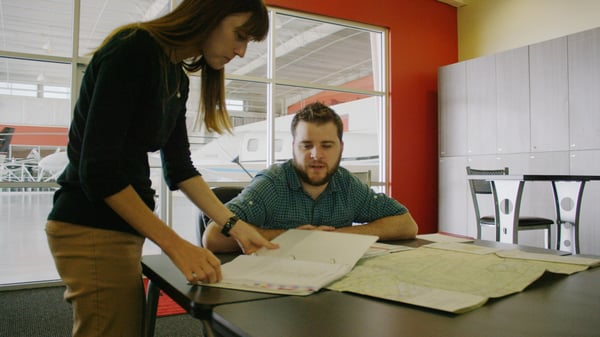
(489, 26)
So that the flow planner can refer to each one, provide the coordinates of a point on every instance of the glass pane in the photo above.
(360, 114)
(323, 53)
(34, 117)
(41, 27)
(23, 244)
(99, 18)
(34, 92)
(238, 156)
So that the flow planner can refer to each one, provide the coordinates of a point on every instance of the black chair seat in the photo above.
(529, 221)
(524, 221)
(488, 221)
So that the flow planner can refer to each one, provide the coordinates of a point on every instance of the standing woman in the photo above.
(133, 101)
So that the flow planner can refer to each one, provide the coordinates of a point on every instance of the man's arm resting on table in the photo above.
(395, 227)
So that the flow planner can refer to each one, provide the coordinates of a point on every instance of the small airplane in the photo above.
(240, 156)
(52, 165)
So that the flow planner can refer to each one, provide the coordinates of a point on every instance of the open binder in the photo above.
(305, 262)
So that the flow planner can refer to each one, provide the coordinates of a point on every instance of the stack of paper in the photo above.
(305, 262)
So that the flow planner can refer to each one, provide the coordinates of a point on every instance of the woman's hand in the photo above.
(196, 263)
(249, 239)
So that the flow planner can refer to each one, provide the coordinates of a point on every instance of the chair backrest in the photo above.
(483, 187)
(363, 176)
(224, 194)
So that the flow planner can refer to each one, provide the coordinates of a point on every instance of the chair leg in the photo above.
(558, 236)
(208, 331)
(548, 239)
(576, 238)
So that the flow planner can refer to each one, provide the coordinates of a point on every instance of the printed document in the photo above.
(305, 262)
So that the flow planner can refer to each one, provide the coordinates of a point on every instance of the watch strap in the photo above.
(229, 225)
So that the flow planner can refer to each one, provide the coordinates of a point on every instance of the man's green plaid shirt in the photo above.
(275, 200)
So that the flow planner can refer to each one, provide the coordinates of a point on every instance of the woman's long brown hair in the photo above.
(191, 23)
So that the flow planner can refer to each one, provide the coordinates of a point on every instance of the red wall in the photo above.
(423, 37)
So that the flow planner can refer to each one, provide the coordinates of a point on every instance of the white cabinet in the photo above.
(481, 105)
(454, 198)
(512, 87)
(452, 110)
(584, 89)
(534, 109)
(549, 96)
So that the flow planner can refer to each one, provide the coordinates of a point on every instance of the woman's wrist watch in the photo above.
(229, 225)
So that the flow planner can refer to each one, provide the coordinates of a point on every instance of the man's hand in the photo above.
(249, 239)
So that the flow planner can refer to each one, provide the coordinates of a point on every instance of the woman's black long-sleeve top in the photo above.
(132, 102)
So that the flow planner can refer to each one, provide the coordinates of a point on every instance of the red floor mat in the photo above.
(166, 305)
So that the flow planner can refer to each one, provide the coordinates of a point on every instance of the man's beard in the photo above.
(306, 179)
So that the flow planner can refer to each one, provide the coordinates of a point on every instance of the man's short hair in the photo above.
(319, 114)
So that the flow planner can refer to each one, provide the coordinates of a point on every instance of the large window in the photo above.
(45, 45)
(305, 59)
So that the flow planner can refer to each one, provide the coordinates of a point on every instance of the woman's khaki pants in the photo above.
(102, 273)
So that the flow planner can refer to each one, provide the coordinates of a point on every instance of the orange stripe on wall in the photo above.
(332, 97)
(39, 135)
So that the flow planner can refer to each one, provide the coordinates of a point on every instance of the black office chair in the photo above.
(484, 187)
(224, 193)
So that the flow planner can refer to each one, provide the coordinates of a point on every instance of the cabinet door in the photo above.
(452, 103)
(481, 105)
(549, 96)
(454, 197)
(512, 82)
(584, 89)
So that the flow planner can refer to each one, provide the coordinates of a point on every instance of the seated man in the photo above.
(311, 191)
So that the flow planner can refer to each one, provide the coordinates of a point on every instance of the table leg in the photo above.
(208, 331)
(567, 198)
(152, 295)
(507, 199)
